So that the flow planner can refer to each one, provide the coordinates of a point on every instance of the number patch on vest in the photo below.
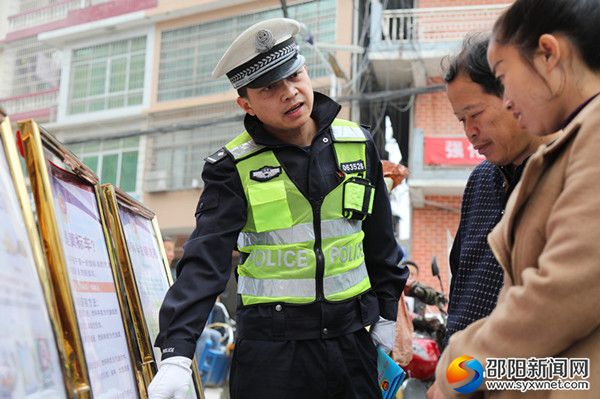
(353, 167)
(265, 173)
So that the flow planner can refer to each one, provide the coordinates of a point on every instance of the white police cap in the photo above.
(263, 54)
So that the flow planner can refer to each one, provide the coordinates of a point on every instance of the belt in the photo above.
(322, 319)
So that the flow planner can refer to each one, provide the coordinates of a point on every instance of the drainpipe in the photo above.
(376, 18)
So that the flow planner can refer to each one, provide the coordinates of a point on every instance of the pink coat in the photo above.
(548, 243)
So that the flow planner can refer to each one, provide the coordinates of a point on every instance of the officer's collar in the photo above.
(324, 112)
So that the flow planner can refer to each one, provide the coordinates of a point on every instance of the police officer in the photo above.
(302, 195)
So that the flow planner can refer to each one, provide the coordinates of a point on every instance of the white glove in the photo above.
(173, 379)
(383, 334)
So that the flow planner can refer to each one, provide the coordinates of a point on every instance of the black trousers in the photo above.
(344, 367)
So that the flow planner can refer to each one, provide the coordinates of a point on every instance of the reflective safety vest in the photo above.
(298, 252)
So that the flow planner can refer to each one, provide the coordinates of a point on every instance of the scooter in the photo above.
(215, 346)
(429, 332)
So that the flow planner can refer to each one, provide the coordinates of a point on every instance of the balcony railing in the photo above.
(48, 12)
(31, 102)
(437, 24)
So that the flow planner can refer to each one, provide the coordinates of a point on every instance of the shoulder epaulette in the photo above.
(217, 156)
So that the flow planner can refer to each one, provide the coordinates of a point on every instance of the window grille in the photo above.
(107, 76)
(189, 54)
(176, 158)
(27, 13)
(36, 67)
(31, 77)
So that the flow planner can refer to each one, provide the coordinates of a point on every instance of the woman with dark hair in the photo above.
(547, 55)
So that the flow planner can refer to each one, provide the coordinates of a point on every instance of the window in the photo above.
(107, 76)
(188, 55)
(30, 5)
(36, 67)
(177, 158)
(28, 13)
(114, 161)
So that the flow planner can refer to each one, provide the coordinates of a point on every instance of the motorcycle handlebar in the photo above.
(427, 294)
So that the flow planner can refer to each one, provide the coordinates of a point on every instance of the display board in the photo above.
(82, 263)
(146, 260)
(93, 287)
(31, 362)
(139, 245)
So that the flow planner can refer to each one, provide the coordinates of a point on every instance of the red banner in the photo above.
(450, 151)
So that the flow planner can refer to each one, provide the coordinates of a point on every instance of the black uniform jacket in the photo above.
(206, 264)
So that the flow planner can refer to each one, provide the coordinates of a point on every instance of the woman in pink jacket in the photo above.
(543, 338)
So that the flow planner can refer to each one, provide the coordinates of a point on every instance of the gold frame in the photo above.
(146, 359)
(113, 198)
(72, 388)
(35, 140)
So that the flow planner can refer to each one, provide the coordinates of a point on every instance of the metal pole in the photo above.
(355, 108)
(284, 8)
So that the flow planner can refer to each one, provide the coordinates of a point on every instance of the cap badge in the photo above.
(264, 40)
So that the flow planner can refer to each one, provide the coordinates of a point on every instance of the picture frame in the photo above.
(146, 272)
(33, 358)
(89, 292)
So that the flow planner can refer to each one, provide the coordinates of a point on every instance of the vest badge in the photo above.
(265, 173)
(353, 167)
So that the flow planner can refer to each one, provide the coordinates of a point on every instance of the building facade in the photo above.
(126, 85)
(408, 42)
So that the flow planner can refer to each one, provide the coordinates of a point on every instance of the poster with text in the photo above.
(93, 287)
(147, 264)
(29, 361)
(149, 270)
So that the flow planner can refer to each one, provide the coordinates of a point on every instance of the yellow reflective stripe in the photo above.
(343, 281)
(292, 235)
(276, 288)
(339, 228)
(300, 233)
(244, 149)
(347, 132)
(298, 288)
(343, 122)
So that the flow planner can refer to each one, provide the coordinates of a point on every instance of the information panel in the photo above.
(150, 275)
(149, 270)
(29, 362)
(93, 287)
